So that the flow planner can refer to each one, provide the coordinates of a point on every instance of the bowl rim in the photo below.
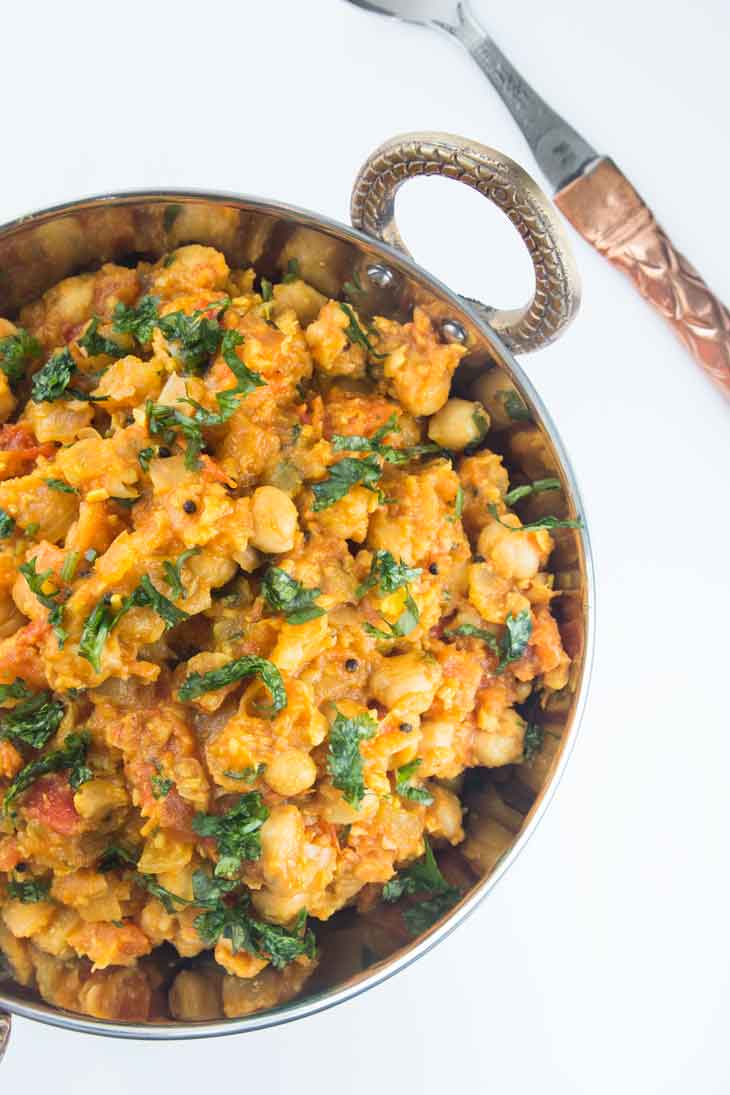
(388, 967)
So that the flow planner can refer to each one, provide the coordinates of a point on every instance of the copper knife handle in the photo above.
(604, 207)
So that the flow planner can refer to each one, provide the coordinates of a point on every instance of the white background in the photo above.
(601, 963)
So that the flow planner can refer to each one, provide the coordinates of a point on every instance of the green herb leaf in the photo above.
(344, 759)
(237, 832)
(34, 720)
(514, 406)
(375, 444)
(18, 690)
(292, 271)
(96, 344)
(116, 857)
(248, 666)
(139, 321)
(513, 644)
(532, 742)
(542, 522)
(7, 525)
(167, 898)
(70, 562)
(72, 756)
(421, 878)
(535, 487)
(36, 582)
(405, 623)
(96, 630)
(51, 382)
(16, 353)
(247, 775)
(344, 475)
(514, 640)
(285, 594)
(32, 528)
(244, 932)
(161, 786)
(173, 572)
(196, 336)
(357, 335)
(29, 891)
(146, 596)
(406, 789)
(353, 288)
(267, 291)
(247, 379)
(388, 575)
(166, 422)
(61, 486)
(145, 457)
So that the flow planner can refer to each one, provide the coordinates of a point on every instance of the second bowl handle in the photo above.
(557, 285)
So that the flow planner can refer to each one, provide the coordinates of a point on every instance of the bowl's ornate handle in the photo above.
(557, 285)
(4, 1033)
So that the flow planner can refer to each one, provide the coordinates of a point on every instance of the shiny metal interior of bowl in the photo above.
(504, 804)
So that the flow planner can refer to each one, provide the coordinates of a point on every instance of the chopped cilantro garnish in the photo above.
(344, 759)
(422, 878)
(100, 622)
(173, 572)
(34, 720)
(514, 406)
(267, 290)
(36, 582)
(237, 832)
(139, 321)
(542, 522)
(7, 524)
(292, 271)
(248, 666)
(96, 344)
(161, 786)
(145, 457)
(30, 890)
(115, 857)
(61, 486)
(406, 789)
(376, 444)
(344, 475)
(285, 594)
(388, 575)
(356, 334)
(16, 352)
(512, 645)
(234, 922)
(247, 775)
(72, 755)
(532, 741)
(535, 487)
(51, 382)
(18, 690)
(196, 337)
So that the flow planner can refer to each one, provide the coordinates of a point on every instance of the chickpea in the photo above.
(458, 424)
(274, 520)
(443, 816)
(514, 555)
(500, 397)
(282, 842)
(406, 682)
(505, 745)
(291, 772)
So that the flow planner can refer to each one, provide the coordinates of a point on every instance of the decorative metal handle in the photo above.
(4, 1033)
(604, 207)
(497, 177)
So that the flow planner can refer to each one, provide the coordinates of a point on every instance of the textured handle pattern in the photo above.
(4, 1033)
(608, 212)
(557, 286)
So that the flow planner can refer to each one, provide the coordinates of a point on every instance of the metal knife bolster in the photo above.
(560, 151)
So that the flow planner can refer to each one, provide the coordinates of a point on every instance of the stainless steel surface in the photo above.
(380, 275)
(4, 1033)
(37, 251)
(453, 331)
(556, 296)
(560, 150)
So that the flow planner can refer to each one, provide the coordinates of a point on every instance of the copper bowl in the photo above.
(505, 805)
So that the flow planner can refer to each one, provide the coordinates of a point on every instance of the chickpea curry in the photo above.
(263, 600)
